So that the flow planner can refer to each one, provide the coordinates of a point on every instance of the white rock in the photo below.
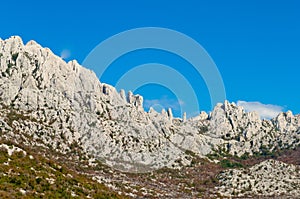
(75, 107)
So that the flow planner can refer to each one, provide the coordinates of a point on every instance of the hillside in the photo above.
(58, 115)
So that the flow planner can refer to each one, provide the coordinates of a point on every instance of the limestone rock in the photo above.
(268, 178)
(67, 103)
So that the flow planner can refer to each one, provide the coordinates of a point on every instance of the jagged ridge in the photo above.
(115, 128)
(61, 105)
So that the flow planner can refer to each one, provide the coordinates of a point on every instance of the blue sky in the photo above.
(255, 44)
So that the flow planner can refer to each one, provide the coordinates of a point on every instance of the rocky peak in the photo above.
(114, 127)
(287, 122)
(170, 114)
(202, 116)
(228, 119)
(136, 100)
(50, 104)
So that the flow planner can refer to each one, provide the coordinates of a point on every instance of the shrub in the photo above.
(15, 56)
(225, 163)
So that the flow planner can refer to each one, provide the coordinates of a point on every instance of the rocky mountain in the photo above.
(50, 106)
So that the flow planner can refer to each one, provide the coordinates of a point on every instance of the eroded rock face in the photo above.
(67, 100)
(109, 125)
(268, 178)
(245, 133)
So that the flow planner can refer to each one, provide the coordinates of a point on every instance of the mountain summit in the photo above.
(46, 102)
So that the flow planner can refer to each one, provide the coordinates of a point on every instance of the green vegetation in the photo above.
(225, 163)
(39, 177)
(191, 153)
(15, 56)
(245, 156)
(15, 116)
(265, 151)
(213, 156)
(9, 66)
(203, 129)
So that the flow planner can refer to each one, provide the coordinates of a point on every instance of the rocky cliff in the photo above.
(59, 105)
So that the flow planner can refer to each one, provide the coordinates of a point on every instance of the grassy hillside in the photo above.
(25, 175)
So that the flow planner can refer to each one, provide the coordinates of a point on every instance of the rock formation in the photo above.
(62, 103)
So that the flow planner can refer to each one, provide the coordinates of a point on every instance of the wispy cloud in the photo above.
(266, 111)
(65, 54)
(164, 102)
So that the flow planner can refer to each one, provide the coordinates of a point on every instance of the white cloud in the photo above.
(65, 54)
(181, 103)
(266, 111)
(164, 102)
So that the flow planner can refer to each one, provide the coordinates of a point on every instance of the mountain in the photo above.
(61, 112)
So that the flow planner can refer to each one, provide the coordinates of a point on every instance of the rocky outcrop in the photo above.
(245, 133)
(72, 103)
(269, 178)
(65, 103)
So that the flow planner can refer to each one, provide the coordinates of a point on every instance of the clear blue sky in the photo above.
(255, 44)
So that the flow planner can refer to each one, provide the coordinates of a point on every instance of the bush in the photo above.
(15, 56)
(225, 163)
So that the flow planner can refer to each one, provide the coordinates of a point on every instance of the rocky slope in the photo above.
(29, 175)
(45, 102)
(268, 178)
